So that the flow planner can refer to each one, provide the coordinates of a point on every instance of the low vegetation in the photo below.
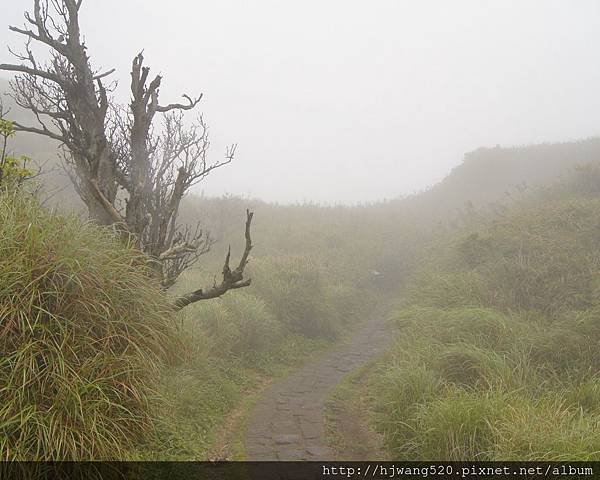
(233, 345)
(83, 336)
(97, 365)
(497, 356)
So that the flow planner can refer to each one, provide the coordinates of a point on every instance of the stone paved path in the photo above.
(288, 422)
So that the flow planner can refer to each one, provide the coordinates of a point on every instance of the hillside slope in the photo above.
(489, 175)
(497, 354)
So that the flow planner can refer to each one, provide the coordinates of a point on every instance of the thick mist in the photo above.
(401, 263)
(347, 101)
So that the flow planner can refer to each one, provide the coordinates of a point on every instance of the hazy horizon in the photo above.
(344, 102)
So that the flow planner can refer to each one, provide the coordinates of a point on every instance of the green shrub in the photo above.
(295, 288)
(239, 325)
(83, 331)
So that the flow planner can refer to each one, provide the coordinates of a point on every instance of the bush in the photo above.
(83, 330)
(295, 288)
(238, 325)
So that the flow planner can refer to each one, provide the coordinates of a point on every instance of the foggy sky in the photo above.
(347, 101)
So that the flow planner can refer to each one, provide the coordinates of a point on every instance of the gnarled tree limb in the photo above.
(179, 106)
(232, 279)
(7, 67)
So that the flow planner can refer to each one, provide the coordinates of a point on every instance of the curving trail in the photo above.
(288, 422)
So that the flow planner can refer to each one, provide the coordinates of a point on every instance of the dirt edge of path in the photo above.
(350, 422)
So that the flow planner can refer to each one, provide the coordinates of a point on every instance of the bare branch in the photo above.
(32, 71)
(179, 106)
(108, 206)
(40, 131)
(232, 280)
(105, 74)
(177, 251)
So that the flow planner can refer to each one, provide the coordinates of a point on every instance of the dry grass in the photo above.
(83, 332)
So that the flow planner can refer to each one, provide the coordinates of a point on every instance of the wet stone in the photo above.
(292, 454)
(319, 452)
(289, 422)
(286, 439)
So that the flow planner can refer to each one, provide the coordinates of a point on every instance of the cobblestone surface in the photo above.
(288, 422)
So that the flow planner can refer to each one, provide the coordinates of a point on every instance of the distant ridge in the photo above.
(488, 175)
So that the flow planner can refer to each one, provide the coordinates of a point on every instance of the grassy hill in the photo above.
(492, 175)
(497, 352)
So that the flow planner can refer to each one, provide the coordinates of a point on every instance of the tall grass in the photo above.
(233, 345)
(497, 354)
(97, 366)
(83, 333)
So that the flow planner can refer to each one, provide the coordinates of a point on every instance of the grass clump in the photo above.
(83, 333)
(403, 390)
(546, 429)
(296, 289)
(239, 324)
(458, 425)
(467, 365)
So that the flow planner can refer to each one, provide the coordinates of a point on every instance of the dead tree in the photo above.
(130, 173)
